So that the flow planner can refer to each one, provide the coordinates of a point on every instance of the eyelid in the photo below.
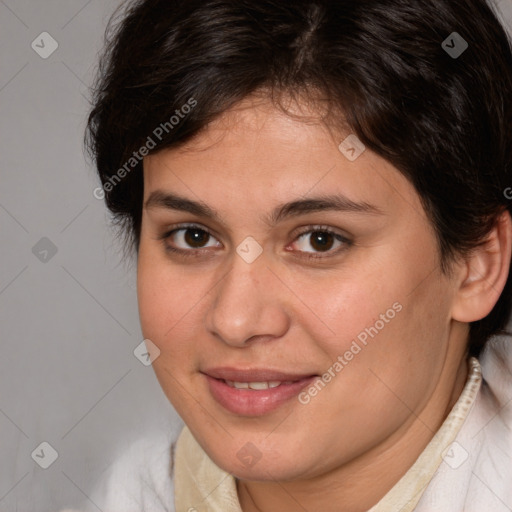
(311, 228)
(185, 225)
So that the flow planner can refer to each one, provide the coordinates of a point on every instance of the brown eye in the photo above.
(188, 238)
(320, 240)
(196, 237)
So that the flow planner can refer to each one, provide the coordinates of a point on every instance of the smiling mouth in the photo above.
(254, 392)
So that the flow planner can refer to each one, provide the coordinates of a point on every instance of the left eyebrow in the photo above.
(340, 203)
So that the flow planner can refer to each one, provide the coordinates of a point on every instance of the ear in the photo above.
(484, 273)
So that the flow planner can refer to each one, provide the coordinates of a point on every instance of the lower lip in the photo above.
(252, 402)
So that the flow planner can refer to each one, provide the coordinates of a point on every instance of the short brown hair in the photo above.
(443, 120)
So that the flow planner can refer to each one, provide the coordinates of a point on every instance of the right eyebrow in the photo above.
(160, 199)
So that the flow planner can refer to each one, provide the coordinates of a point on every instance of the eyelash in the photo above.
(194, 253)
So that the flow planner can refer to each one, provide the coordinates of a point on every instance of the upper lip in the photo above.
(254, 375)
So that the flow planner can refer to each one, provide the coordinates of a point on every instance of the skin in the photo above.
(354, 440)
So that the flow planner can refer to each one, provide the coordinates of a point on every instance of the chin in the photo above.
(248, 464)
(262, 472)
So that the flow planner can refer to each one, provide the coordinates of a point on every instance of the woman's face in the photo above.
(268, 256)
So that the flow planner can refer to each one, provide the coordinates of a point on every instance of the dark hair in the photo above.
(443, 119)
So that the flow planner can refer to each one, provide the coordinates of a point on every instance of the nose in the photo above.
(249, 303)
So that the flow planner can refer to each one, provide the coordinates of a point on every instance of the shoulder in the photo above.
(140, 478)
(491, 428)
(476, 471)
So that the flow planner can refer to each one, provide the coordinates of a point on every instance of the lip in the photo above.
(250, 402)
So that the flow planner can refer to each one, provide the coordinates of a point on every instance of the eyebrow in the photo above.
(338, 202)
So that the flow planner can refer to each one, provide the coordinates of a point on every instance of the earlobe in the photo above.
(485, 273)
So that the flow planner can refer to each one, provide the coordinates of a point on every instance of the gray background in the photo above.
(68, 375)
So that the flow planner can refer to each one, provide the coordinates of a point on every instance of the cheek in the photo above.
(358, 304)
(384, 311)
(153, 298)
(168, 305)
(166, 297)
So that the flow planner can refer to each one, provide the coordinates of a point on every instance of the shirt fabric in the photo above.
(466, 467)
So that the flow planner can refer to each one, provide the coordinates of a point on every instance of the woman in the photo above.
(316, 193)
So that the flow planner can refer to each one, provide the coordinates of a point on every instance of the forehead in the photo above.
(255, 150)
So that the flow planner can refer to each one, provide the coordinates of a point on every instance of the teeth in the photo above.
(253, 385)
(258, 385)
